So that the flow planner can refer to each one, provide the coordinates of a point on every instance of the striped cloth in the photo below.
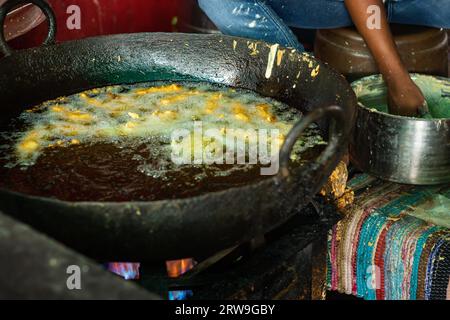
(393, 243)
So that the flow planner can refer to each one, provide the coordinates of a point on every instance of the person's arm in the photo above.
(405, 98)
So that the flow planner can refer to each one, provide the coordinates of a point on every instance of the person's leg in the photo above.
(432, 13)
(312, 14)
(252, 19)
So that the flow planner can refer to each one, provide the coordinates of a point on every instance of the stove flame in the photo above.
(176, 268)
(128, 271)
(180, 295)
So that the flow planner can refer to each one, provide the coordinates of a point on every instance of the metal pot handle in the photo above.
(9, 5)
(336, 137)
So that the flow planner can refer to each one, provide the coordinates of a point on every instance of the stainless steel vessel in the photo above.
(401, 149)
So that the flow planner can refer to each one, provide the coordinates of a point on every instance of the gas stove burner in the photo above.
(287, 263)
(282, 264)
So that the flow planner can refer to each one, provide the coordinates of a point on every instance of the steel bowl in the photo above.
(402, 149)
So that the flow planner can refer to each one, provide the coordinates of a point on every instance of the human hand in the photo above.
(406, 99)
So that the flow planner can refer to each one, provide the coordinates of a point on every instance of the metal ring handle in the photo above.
(9, 5)
(335, 141)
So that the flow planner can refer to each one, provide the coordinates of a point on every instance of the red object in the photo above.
(22, 20)
(379, 260)
(102, 17)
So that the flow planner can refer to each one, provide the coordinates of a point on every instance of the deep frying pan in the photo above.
(161, 230)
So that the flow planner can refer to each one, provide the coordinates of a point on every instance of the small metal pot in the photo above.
(402, 149)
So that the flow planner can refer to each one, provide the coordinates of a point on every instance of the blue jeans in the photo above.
(269, 20)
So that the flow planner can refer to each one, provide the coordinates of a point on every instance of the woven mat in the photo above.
(393, 243)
